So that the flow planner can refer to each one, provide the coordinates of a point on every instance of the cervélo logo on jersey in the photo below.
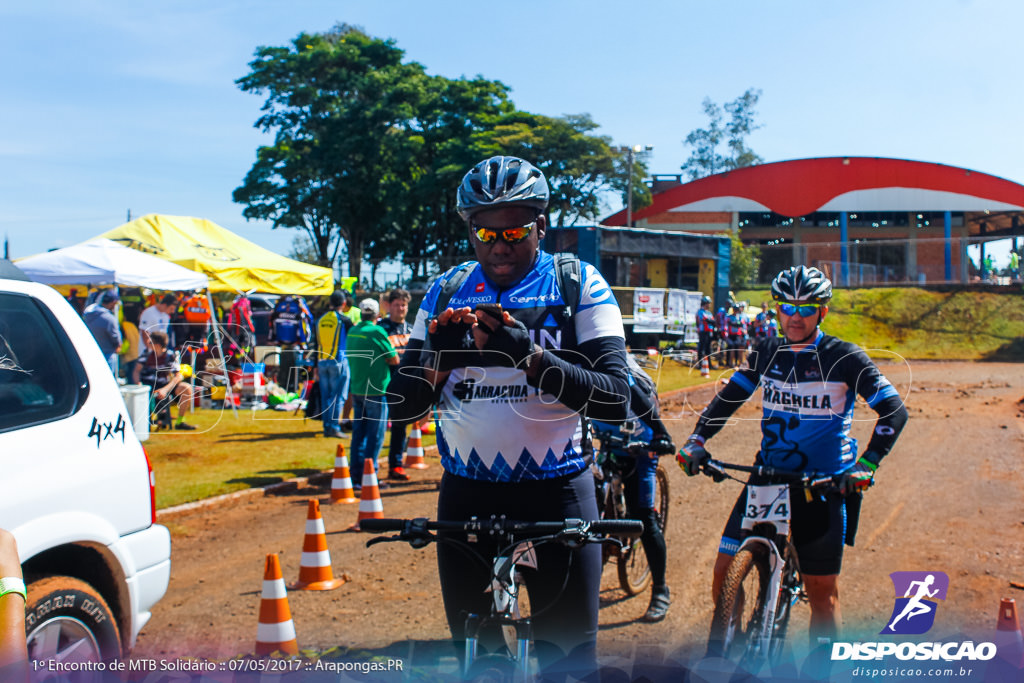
(915, 604)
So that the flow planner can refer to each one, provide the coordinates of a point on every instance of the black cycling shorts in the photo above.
(820, 529)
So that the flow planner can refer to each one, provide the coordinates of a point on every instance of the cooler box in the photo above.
(253, 383)
(136, 399)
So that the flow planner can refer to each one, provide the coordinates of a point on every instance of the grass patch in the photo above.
(229, 453)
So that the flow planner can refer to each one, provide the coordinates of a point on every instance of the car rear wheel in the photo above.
(67, 620)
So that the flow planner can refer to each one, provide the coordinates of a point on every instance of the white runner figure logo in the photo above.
(915, 607)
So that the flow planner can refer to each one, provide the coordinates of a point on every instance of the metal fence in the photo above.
(897, 261)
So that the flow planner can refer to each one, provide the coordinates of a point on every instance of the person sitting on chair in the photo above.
(160, 370)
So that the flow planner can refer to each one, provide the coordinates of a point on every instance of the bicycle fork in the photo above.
(505, 613)
(766, 629)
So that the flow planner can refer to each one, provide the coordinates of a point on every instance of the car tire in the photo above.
(64, 613)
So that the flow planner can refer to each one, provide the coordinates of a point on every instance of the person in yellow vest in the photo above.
(356, 317)
(332, 365)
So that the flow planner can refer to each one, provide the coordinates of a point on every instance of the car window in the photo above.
(40, 374)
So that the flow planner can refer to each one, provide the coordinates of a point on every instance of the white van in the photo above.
(76, 487)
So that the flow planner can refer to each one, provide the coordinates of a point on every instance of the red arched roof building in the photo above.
(868, 219)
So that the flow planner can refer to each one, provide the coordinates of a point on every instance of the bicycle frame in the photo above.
(772, 534)
(503, 585)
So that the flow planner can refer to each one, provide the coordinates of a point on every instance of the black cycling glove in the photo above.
(510, 345)
(452, 344)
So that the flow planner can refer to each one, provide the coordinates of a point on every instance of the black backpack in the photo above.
(567, 274)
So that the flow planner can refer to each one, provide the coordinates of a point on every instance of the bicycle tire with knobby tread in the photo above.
(720, 639)
(661, 496)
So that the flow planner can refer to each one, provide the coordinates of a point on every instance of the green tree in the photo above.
(303, 250)
(745, 264)
(580, 167)
(336, 103)
(443, 145)
(708, 157)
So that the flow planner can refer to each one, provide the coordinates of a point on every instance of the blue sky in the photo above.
(116, 105)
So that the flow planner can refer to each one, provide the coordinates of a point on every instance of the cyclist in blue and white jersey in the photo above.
(511, 387)
(736, 325)
(809, 383)
(771, 325)
(705, 329)
(644, 427)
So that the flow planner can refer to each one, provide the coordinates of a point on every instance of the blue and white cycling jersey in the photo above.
(494, 426)
(808, 399)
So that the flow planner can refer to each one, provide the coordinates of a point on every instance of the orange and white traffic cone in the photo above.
(705, 367)
(370, 505)
(275, 631)
(414, 450)
(341, 482)
(315, 567)
(1008, 639)
(427, 425)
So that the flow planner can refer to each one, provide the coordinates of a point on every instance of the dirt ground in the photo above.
(949, 498)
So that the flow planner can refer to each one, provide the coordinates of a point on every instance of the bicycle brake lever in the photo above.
(415, 540)
(613, 540)
(383, 539)
(718, 475)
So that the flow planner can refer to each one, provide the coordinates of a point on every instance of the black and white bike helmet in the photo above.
(502, 181)
(802, 284)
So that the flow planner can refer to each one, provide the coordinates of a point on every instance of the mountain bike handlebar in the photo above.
(417, 531)
(810, 480)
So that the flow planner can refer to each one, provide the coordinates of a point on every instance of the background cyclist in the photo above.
(736, 325)
(809, 383)
(510, 392)
(705, 329)
(644, 426)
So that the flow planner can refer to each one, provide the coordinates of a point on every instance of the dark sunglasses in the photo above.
(805, 310)
(509, 235)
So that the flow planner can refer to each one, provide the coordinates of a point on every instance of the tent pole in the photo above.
(220, 346)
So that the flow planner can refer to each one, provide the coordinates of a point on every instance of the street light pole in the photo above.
(629, 189)
(631, 152)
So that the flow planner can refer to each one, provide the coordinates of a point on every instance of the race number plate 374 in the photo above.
(766, 504)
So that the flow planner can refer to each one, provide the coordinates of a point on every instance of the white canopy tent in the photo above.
(100, 262)
(105, 262)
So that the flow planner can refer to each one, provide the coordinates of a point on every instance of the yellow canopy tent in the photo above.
(232, 263)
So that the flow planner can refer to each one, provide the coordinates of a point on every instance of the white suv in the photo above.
(76, 487)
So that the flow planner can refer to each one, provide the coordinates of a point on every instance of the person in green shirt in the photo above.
(369, 354)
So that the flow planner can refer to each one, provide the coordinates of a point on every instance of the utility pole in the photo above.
(631, 152)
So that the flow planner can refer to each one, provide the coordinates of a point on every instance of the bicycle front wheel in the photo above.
(661, 497)
(739, 612)
(634, 572)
